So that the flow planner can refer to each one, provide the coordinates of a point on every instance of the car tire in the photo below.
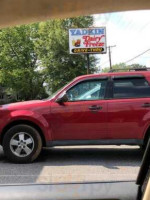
(22, 144)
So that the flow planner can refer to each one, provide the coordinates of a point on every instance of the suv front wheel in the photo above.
(22, 144)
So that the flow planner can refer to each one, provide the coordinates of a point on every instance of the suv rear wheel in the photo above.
(22, 144)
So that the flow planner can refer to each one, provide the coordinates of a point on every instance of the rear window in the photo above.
(131, 88)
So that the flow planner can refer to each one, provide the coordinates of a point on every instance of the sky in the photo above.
(130, 32)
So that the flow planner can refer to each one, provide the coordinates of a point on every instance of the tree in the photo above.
(18, 62)
(35, 55)
(133, 66)
(53, 50)
(123, 67)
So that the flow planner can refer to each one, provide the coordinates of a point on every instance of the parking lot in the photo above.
(70, 164)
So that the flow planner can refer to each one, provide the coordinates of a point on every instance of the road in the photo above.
(71, 164)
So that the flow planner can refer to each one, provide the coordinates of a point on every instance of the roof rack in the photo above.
(130, 69)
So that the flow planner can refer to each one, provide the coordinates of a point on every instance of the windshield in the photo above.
(97, 131)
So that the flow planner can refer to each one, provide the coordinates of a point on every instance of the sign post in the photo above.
(88, 63)
(87, 41)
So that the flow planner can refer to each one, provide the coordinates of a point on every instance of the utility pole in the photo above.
(109, 49)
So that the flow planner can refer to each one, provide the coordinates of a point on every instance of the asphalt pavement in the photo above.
(75, 164)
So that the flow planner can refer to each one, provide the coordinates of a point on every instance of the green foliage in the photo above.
(53, 51)
(38, 54)
(18, 62)
(123, 67)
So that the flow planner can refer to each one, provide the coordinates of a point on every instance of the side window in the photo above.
(131, 88)
(87, 90)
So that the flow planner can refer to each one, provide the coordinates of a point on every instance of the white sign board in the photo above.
(87, 40)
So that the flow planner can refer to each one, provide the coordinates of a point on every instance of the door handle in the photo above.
(95, 107)
(146, 105)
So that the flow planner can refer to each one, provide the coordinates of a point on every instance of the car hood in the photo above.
(22, 104)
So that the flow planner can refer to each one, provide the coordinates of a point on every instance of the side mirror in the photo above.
(62, 98)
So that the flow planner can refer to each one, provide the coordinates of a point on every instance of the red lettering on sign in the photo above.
(93, 41)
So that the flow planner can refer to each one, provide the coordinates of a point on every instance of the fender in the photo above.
(30, 116)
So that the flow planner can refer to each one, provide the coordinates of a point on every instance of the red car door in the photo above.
(128, 110)
(84, 116)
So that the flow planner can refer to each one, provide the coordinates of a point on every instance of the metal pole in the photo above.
(110, 58)
(88, 63)
(109, 49)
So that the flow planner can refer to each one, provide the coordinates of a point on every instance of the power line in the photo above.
(109, 51)
(107, 61)
(137, 56)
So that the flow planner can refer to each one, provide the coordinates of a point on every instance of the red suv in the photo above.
(98, 109)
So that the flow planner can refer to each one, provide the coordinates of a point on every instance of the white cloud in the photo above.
(130, 32)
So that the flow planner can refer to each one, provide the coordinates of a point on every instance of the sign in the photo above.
(87, 40)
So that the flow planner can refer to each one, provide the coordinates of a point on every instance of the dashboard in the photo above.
(68, 191)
